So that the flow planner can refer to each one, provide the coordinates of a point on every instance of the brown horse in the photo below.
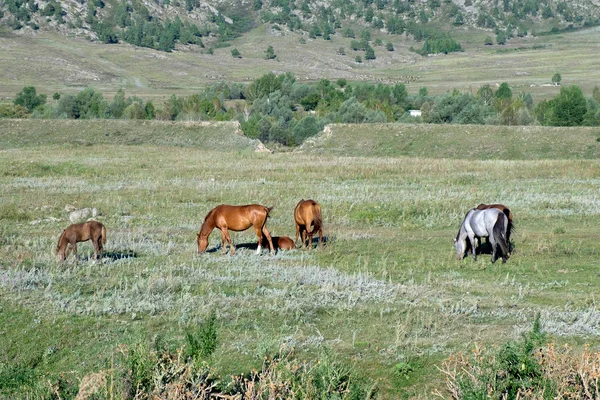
(280, 242)
(306, 214)
(236, 218)
(507, 212)
(90, 230)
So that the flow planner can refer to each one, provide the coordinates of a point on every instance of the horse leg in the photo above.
(95, 244)
(473, 242)
(259, 234)
(320, 238)
(231, 245)
(100, 248)
(267, 234)
(223, 243)
(304, 234)
(74, 246)
(297, 231)
(492, 242)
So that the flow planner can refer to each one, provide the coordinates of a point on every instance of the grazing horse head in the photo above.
(235, 218)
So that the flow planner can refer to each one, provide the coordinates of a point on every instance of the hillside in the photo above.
(208, 136)
(457, 142)
(162, 24)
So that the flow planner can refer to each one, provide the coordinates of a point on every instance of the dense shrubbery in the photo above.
(277, 108)
(530, 368)
(156, 370)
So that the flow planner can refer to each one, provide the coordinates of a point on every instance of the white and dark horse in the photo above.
(491, 223)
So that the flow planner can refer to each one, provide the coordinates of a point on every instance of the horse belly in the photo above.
(239, 225)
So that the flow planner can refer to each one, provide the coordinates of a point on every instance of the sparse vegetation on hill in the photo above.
(162, 25)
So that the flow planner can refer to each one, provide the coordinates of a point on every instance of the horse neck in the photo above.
(207, 227)
(62, 241)
(462, 232)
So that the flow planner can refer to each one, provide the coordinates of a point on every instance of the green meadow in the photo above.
(384, 295)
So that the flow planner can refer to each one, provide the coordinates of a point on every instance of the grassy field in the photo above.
(386, 290)
(55, 63)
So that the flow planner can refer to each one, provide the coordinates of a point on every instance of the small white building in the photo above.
(415, 113)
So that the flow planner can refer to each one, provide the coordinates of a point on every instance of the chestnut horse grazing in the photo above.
(281, 242)
(90, 230)
(506, 212)
(306, 214)
(236, 218)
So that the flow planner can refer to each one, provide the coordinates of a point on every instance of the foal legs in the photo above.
(97, 242)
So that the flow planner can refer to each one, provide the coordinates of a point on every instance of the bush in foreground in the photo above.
(529, 368)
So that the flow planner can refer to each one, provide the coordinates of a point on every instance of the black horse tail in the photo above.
(500, 234)
(510, 227)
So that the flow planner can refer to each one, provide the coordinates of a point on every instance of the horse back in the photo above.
(240, 218)
(500, 207)
(481, 222)
(307, 212)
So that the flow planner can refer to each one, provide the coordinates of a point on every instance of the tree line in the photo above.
(277, 108)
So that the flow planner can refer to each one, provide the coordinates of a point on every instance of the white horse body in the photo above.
(491, 223)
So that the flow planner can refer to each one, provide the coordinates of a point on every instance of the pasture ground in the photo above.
(386, 289)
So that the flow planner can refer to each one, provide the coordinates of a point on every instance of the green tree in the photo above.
(389, 46)
(569, 107)
(504, 91)
(29, 98)
(488, 41)
(501, 38)
(485, 95)
(90, 104)
(358, 59)
(369, 53)
(235, 53)
(305, 128)
(134, 111)
(556, 78)
(56, 96)
(270, 53)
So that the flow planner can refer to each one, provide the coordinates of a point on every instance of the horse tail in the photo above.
(317, 218)
(510, 226)
(103, 236)
(500, 230)
(268, 209)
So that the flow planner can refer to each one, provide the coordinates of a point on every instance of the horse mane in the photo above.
(60, 240)
(463, 221)
(208, 221)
